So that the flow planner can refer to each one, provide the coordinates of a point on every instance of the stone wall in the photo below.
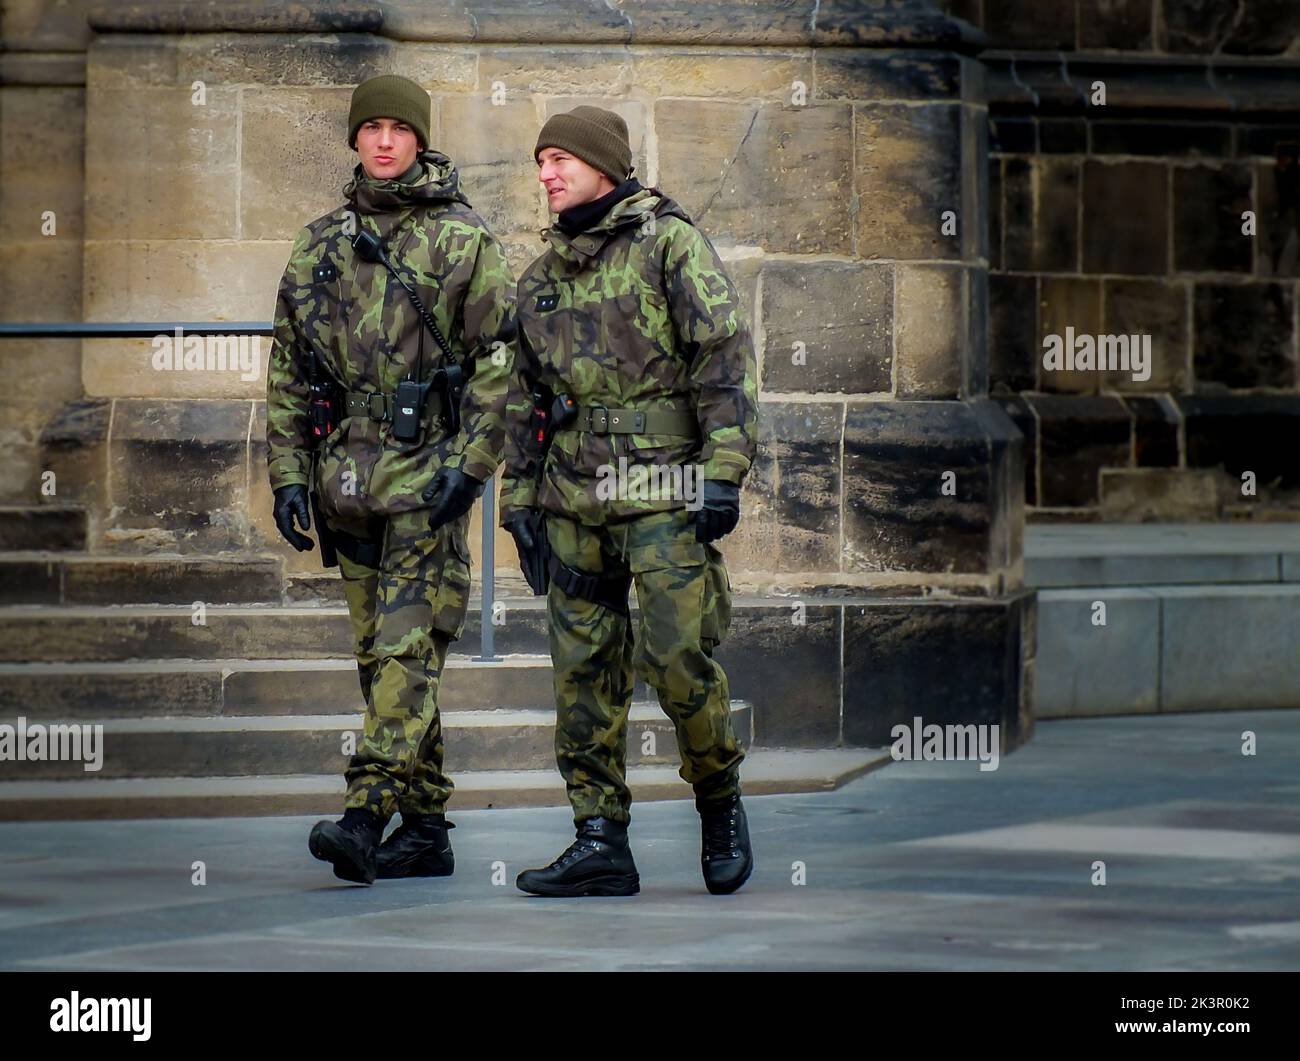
(820, 168)
(1168, 210)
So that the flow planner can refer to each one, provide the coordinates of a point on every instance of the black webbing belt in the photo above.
(609, 591)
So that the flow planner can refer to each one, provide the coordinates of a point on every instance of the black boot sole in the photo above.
(346, 867)
(425, 867)
(609, 884)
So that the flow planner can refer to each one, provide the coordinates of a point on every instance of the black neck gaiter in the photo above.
(581, 217)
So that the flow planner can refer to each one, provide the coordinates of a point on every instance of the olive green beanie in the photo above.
(390, 96)
(598, 137)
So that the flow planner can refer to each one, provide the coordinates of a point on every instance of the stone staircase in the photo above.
(224, 690)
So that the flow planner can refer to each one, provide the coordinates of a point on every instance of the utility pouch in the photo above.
(408, 408)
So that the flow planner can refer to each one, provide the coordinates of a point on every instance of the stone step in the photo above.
(101, 690)
(47, 527)
(764, 772)
(313, 744)
(1122, 554)
(1167, 648)
(51, 578)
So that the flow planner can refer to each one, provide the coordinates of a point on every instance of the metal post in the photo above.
(486, 647)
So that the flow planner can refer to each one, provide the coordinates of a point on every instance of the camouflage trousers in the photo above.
(404, 614)
(684, 602)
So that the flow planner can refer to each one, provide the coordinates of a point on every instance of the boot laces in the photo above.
(720, 835)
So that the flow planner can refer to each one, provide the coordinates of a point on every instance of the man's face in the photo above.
(568, 180)
(387, 147)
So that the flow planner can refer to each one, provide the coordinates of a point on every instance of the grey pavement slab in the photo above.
(920, 865)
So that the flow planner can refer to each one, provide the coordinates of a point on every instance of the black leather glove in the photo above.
(529, 532)
(291, 501)
(720, 511)
(451, 494)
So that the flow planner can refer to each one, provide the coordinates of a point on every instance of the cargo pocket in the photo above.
(452, 600)
(716, 620)
(427, 568)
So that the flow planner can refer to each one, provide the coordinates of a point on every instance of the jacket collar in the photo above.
(636, 209)
(440, 182)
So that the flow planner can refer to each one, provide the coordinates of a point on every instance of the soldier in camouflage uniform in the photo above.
(398, 510)
(631, 314)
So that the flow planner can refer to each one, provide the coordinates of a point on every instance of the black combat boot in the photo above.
(725, 856)
(350, 844)
(419, 847)
(598, 862)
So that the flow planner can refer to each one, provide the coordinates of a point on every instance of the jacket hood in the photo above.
(440, 182)
(634, 210)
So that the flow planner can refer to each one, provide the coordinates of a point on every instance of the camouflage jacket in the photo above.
(366, 331)
(637, 312)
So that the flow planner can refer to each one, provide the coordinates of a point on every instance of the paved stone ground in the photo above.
(915, 866)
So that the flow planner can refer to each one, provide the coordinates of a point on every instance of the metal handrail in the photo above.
(144, 330)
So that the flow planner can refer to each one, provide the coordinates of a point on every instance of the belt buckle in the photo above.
(599, 426)
(382, 414)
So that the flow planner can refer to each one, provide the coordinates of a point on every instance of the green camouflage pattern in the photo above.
(368, 334)
(636, 312)
(684, 611)
(400, 655)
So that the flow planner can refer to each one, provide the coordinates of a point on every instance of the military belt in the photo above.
(379, 406)
(600, 420)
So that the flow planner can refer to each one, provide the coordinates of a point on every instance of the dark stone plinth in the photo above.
(897, 516)
(1247, 432)
(1078, 436)
(951, 663)
(1155, 430)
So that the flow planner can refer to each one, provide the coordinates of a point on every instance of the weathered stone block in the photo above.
(795, 705)
(1158, 309)
(178, 280)
(492, 146)
(180, 474)
(1065, 302)
(930, 337)
(1063, 136)
(1013, 344)
(841, 313)
(1056, 231)
(733, 73)
(775, 176)
(1155, 430)
(1159, 495)
(1208, 207)
(902, 510)
(862, 74)
(909, 171)
(1128, 137)
(74, 446)
(1241, 433)
(159, 166)
(1277, 231)
(1125, 217)
(295, 158)
(1245, 335)
(1026, 24)
(1115, 25)
(48, 179)
(1077, 437)
(951, 663)
(791, 502)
